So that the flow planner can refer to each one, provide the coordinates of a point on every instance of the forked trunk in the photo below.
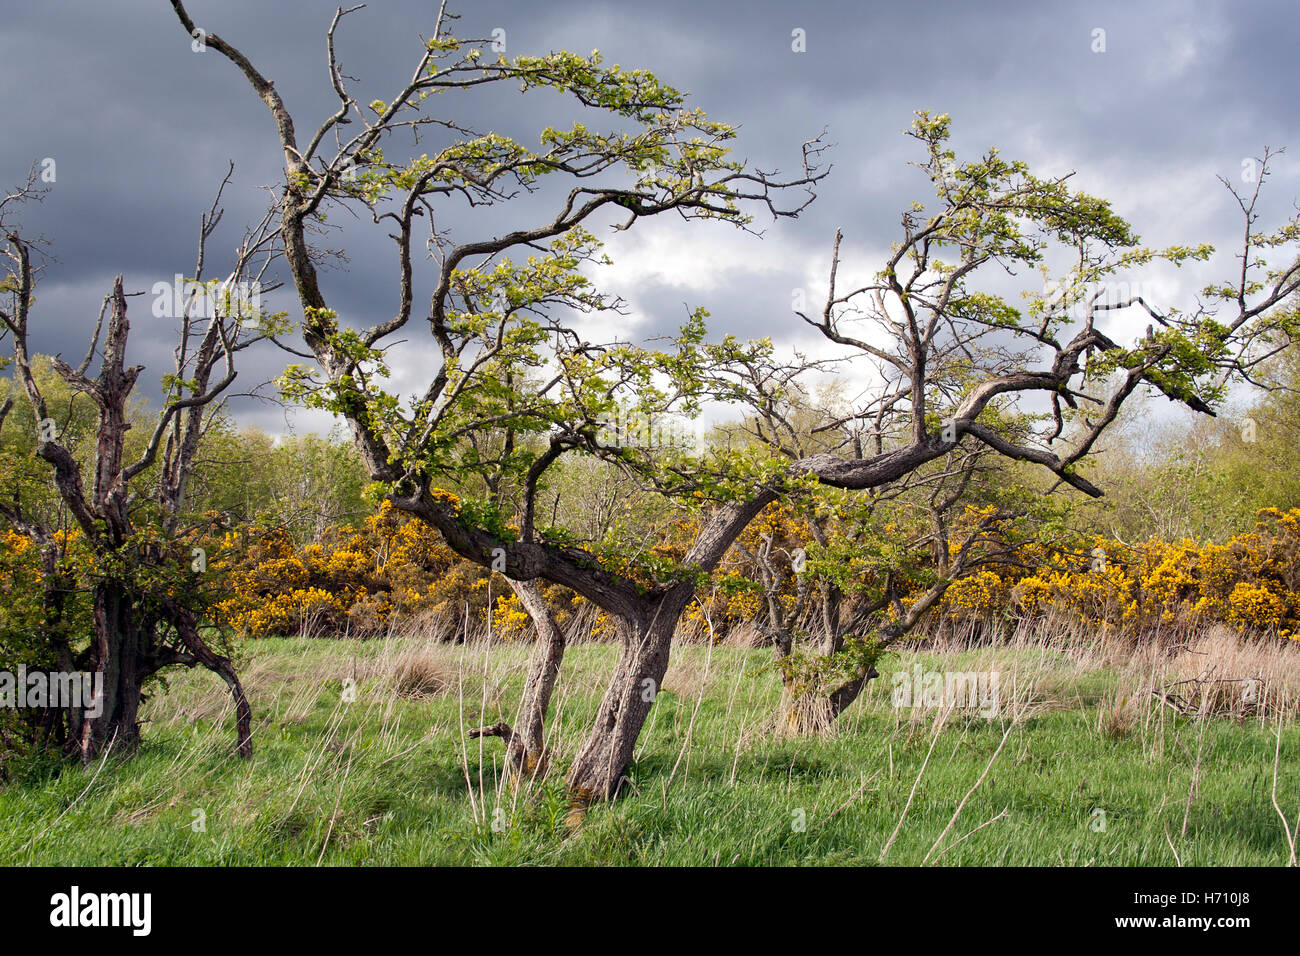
(124, 651)
(599, 770)
(804, 712)
(805, 709)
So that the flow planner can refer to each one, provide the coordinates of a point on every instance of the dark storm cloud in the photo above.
(142, 128)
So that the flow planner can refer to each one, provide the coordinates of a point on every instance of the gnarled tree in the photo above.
(955, 372)
(510, 353)
(130, 511)
(489, 314)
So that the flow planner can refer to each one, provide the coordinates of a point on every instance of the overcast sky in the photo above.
(141, 129)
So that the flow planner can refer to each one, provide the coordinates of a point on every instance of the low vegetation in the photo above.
(1084, 764)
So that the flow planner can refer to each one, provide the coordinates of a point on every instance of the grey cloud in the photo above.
(142, 128)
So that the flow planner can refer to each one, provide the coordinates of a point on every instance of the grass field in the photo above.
(1080, 767)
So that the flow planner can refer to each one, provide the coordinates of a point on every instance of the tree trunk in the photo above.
(526, 755)
(124, 651)
(806, 713)
(600, 768)
(243, 711)
(803, 714)
(64, 726)
(187, 627)
(117, 656)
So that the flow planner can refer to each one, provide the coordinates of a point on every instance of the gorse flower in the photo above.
(358, 580)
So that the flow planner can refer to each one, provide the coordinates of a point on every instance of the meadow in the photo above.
(363, 758)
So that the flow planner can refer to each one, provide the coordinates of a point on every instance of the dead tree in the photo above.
(131, 515)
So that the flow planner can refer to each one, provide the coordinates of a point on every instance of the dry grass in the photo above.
(1117, 719)
(331, 772)
(1210, 672)
(1221, 674)
(745, 635)
(1127, 688)
(419, 673)
(689, 677)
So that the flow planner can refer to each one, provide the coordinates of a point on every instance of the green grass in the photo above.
(390, 779)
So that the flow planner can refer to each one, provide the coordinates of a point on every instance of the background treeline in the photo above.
(1197, 527)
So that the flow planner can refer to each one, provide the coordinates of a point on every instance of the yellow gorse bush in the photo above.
(358, 580)
(1249, 582)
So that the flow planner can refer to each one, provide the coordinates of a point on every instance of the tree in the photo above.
(1209, 479)
(843, 575)
(952, 360)
(489, 314)
(510, 359)
(146, 603)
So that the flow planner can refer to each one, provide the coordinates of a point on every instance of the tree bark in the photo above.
(600, 768)
(805, 711)
(187, 627)
(814, 713)
(526, 755)
(116, 652)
